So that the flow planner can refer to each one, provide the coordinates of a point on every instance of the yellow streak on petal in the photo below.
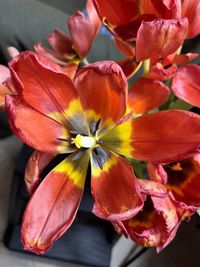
(118, 139)
(73, 108)
(75, 172)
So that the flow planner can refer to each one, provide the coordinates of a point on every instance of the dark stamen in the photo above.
(100, 156)
(94, 126)
(69, 140)
(78, 155)
(74, 132)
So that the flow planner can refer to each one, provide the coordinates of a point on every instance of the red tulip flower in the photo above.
(83, 30)
(186, 84)
(85, 118)
(181, 179)
(158, 28)
(157, 223)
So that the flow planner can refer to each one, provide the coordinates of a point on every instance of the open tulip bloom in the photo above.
(86, 119)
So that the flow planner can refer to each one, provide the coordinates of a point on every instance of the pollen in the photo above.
(84, 141)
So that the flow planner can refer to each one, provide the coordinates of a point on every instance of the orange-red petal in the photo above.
(160, 73)
(45, 87)
(93, 16)
(191, 9)
(152, 188)
(160, 37)
(36, 164)
(60, 42)
(52, 55)
(155, 225)
(54, 205)
(128, 65)
(102, 88)
(83, 29)
(182, 180)
(114, 187)
(126, 48)
(34, 128)
(117, 12)
(147, 94)
(4, 75)
(165, 136)
(184, 58)
(186, 84)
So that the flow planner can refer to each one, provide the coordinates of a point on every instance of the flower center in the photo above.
(83, 141)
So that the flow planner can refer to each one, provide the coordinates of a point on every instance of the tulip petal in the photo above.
(93, 17)
(54, 205)
(157, 173)
(155, 225)
(184, 59)
(186, 84)
(4, 73)
(168, 9)
(13, 51)
(160, 37)
(160, 73)
(118, 139)
(147, 94)
(70, 70)
(152, 188)
(151, 138)
(81, 29)
(106, 81)
(84, 28)
(114, 187)
(60, 42)
(47, 89)
(36, 164)
(55, 57)
(191, 10)
(128, 65)
(126, 48)
(117, 12)
(3, 92)
(165, 136)
(128, 32)
(183, 182)
(36, 129)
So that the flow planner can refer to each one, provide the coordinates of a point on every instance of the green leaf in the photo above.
(180, 104)
(139, 167)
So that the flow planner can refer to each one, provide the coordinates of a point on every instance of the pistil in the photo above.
(83, 141)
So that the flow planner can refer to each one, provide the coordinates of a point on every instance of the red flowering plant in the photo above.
(89, 115)
(71, 51)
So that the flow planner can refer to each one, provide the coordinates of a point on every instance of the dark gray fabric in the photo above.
(66, 6)
(26, 22)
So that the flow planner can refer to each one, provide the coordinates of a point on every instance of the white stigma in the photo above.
(84, 141)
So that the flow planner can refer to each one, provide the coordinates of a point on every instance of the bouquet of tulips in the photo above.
(138, 139)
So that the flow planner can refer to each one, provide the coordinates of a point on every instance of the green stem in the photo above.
(84, 61)
(146, 66)
(178, 51)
